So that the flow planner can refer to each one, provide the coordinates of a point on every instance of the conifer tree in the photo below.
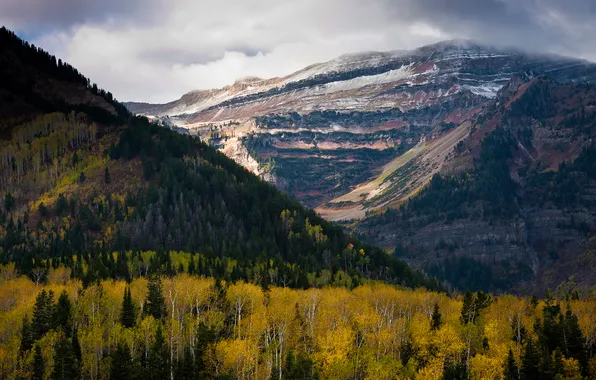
(530, 361)
(106, 176)
(9, 202)
(158, 365)
(265, 286)
(38, 364)
(468, 310)
(186, 367)
(290, 370)
(155, 304)
(573, 338)
(121, 363)
(122, 267)
(204, 336)
(128, 315)
(26, 335)
(42, 314)
(63, 314)
(473, 305)
(511, 370)
(436, 319)
(557, 363)
(191, 266)
(76, 346)
(66, 365)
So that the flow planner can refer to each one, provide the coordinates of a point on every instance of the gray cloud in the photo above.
(33, 16)
(155, 50)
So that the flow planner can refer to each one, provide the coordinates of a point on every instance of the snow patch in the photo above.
(487, 90)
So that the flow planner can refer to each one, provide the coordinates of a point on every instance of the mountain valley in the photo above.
(360, 137)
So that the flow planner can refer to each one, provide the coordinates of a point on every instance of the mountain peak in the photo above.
(248, 80)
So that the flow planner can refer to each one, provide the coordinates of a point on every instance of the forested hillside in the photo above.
(514, 207)
(129, 251)
(82, 179)
(188, 327)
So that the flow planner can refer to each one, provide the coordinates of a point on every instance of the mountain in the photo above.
(513, 205)
(343, 125)
(126, 247)
(361, 137)
(86, 185)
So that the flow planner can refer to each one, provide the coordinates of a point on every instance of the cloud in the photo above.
(156, 50)
(35, 16)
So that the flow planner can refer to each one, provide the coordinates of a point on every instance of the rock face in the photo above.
(336, 127)
(519, 213)
(365, 133)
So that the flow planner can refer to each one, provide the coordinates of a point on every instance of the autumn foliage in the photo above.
(214, 329)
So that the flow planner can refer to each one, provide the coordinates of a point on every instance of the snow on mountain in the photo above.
(365, 81)
(322, 132)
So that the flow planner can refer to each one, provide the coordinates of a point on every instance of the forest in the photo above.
(515, 176)
(129, 251)
(87, 185)
(195, 327)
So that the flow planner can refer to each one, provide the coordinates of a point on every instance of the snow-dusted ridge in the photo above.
(367, 81)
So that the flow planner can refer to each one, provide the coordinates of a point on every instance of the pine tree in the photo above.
(9, 202)
(27, 339)
(204, 337)
(155, 304)
(557, 366)
(290, 370)
(265, 286)
(468, 309)
(38, 364)
(66, 365)
(186, 367)
(436, 319)
(76, 346)
(82, 177)
(191, 266)
(158, 362)
(128, 315)
(573, 338)
(530, 361)
(511, 370)
(121, 363)
(106, 176)
(63, 314)
(298, 366)
(473, 305)
(42, 314)
(122, 267)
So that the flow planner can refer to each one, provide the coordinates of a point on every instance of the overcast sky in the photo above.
(156, 50)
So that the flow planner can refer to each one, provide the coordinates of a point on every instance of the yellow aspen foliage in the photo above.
(237, 356)
(485, 368)
(448, 343)
(571, 369)
(385, 368)
(59, 276)
(249, 310)
(334, 347)
(246, 333)
(420, 335)
(432, 371)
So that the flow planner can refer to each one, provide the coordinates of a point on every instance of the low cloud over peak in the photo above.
(156, 50)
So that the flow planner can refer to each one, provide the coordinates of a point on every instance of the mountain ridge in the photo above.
(360, 145)
(79, 183)
(359, 60)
